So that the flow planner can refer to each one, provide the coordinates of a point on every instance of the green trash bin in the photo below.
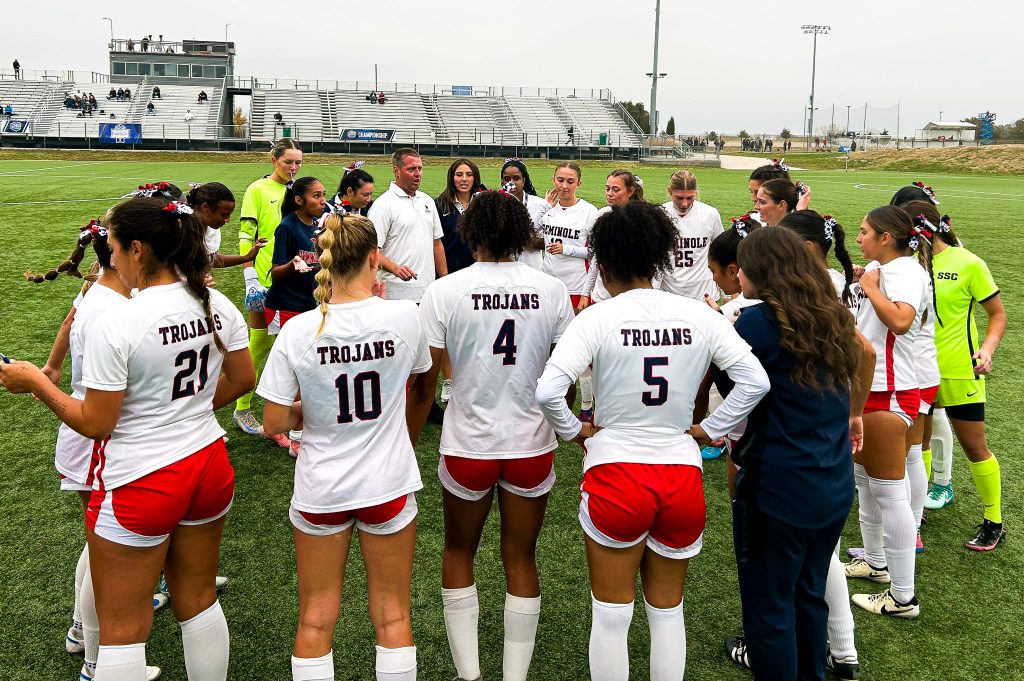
(602, 139)
(287, 132)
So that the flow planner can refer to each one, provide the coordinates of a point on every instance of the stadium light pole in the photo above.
(226, 33)
(848, 118)
(815, 30)
(111, 30)
(654, 75)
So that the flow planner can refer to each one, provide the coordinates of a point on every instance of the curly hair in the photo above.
(497, 222)
(345, 243)
(813, 325)
(633, 241)
(175, 240)
(810, 226)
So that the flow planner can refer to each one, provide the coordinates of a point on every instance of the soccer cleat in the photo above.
(843, 668)
(988, 536)
(247, 422)
(939, 496)
(920, 546)
(436, 414)
(587, 415)
(736, 650)
(860, 568)
(74, 642)
(152, 673)
(446, 393)
(710, 452)
(885, 604)
(281, 440)
(160, 599)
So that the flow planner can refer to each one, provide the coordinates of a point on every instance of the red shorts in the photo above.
(575, 300)
(387, 518)
(928, 399)
(904, 403)
(277, 319)
(472, 479)
(622, 504)
(193, 491)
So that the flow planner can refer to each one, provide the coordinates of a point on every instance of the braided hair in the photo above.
(93, 233)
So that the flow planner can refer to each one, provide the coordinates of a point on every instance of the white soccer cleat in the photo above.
(885, 604)
(859, 568)
(160, 599)
(74, 642)
(152, 673)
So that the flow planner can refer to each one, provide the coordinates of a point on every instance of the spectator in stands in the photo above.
(203, 98)
(571, 132)
(150, 108)
(128, 94)
(78, 101)
(278, 119)
(372, 97)
(17, 69)
(112, 117)
(92, 101)
(189, 115)
(381, 99)
(156, 92)
(111, 95)
(69, 101)
(145, 44)
(170, 49)
(131, 45)
(8, 111)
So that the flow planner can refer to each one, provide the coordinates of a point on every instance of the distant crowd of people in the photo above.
(147, 41)
(377, 97)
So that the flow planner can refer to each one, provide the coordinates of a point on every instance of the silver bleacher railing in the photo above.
(259, 83)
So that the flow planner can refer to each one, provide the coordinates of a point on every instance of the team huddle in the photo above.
(685, 338)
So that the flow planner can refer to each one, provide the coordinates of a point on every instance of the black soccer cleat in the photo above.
(988, 536)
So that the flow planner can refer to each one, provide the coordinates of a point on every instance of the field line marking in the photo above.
(39, 170)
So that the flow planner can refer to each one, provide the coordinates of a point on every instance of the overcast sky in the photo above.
(731, 64)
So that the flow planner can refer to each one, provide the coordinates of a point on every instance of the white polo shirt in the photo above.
(406, 229)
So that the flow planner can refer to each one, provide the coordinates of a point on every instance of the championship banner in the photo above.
(462, 90)
(366, 135)
(15, 127)
(120, 133)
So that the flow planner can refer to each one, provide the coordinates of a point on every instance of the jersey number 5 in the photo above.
(360, 383)
(652, 398)
(184, 384)
(505, 343)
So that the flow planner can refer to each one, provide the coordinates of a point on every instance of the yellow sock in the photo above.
(260, 343)
(926, 454)
(987, 480)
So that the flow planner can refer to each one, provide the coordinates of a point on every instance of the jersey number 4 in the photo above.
(184, 383)
(505, 343)
(367, 380)
(655, 398)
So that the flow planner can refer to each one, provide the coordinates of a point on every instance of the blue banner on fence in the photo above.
(15, 127)
(844, 150)
(366, 135)
(462, 90)
(120, 133)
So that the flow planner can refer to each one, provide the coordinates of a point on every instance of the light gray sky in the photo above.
(732, 64)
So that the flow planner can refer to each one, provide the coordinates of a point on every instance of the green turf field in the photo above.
(972, 608)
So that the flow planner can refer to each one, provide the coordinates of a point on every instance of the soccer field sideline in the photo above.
(42, 206)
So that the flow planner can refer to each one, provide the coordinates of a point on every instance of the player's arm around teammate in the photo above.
(163, 483)
(642, 503)
(497, 320)
(356, 467)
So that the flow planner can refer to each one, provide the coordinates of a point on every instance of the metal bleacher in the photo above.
(168, 118)
(593, 117)
(60, 121)
(25, 97)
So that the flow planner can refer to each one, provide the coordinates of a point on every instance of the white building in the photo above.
(947, 131)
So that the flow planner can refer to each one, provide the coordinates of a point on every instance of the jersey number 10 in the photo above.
(367, 380)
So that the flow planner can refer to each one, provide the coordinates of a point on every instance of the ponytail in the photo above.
(211, 193)
(344, 241)
(93, 233)
(295, 189)
(843, 256)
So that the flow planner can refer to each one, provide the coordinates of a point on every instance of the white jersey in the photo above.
(158, 349)
(902, 280)
(570, 227)
(650, 351)
(407, 227)
(355, 448)
(839, 282)
(212, 241)
(536, 207)
(689, 275)
(73, 456)
(927, 354)
(498, 322)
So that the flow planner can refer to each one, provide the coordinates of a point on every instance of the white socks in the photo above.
(942, 448)
(840, 615)
(396, 664)
(313, 668)
(870, 519)
(521, 617)
(90, 620)
(587, 389)
(81, 568)
(668, 642)
(295, 435)
(206, 642)
(917, 483)
(461, 616)
(123, 663)
(609, 652)
(899, 534)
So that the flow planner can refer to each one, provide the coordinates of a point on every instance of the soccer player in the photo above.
(163, 482)
(761, 174)
(213, 204)
(642, 502)
(408, 231)
(497, 319)
(351, 360)
(516, 178)
(620, 187)
(891, 302)
(775, 200)
(260, 216)
(355, 191)
(962, 281)
(795, 488)
(697, 224)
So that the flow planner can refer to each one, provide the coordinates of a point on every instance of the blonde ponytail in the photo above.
(345, 243)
